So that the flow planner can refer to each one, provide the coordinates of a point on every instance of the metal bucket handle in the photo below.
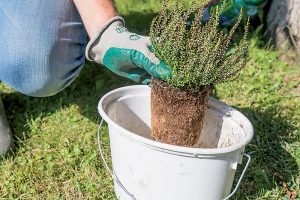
(111, 173)
(115, 178)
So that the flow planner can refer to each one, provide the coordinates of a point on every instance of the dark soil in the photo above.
(177, 115)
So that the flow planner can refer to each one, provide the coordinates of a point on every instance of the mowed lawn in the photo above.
(55, 149)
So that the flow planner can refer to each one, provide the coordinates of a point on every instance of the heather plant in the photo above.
(197, 51)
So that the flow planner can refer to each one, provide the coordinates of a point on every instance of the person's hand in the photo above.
(126, 54)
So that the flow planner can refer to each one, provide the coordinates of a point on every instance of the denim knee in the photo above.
(41, 71)
(43, 55)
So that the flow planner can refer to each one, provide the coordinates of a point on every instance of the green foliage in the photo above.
(197, 54)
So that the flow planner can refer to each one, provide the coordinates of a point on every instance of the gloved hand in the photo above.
(232, 11)
(124, 53)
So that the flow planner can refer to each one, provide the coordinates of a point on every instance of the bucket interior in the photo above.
(223, 125)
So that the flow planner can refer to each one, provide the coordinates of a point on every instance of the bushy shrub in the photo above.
(197, 53)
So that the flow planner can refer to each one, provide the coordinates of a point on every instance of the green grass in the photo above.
(55, 154)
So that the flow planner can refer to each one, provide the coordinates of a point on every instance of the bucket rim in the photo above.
(169, 147)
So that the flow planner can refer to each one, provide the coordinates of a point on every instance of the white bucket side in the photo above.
(152, 170)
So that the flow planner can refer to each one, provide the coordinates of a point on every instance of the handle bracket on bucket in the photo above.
(111, 173)
(241, 177)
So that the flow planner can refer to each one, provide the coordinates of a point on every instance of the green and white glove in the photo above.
(126, 54)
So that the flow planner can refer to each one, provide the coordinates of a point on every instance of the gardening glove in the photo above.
(126, 54)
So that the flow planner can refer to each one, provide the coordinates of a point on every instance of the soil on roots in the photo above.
(177, 115)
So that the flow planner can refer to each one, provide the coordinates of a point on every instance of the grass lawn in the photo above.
(55, 153)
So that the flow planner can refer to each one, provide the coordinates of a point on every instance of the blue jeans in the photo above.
(42, 45)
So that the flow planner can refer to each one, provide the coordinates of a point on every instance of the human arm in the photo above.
(126, 54)
(95, 13)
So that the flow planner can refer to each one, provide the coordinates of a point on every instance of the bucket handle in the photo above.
(111, 173)
(241, 177)
(115, 178)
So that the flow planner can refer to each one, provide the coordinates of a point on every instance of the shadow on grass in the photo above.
(271, 164)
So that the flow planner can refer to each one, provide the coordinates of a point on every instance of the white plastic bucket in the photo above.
(144, 169)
